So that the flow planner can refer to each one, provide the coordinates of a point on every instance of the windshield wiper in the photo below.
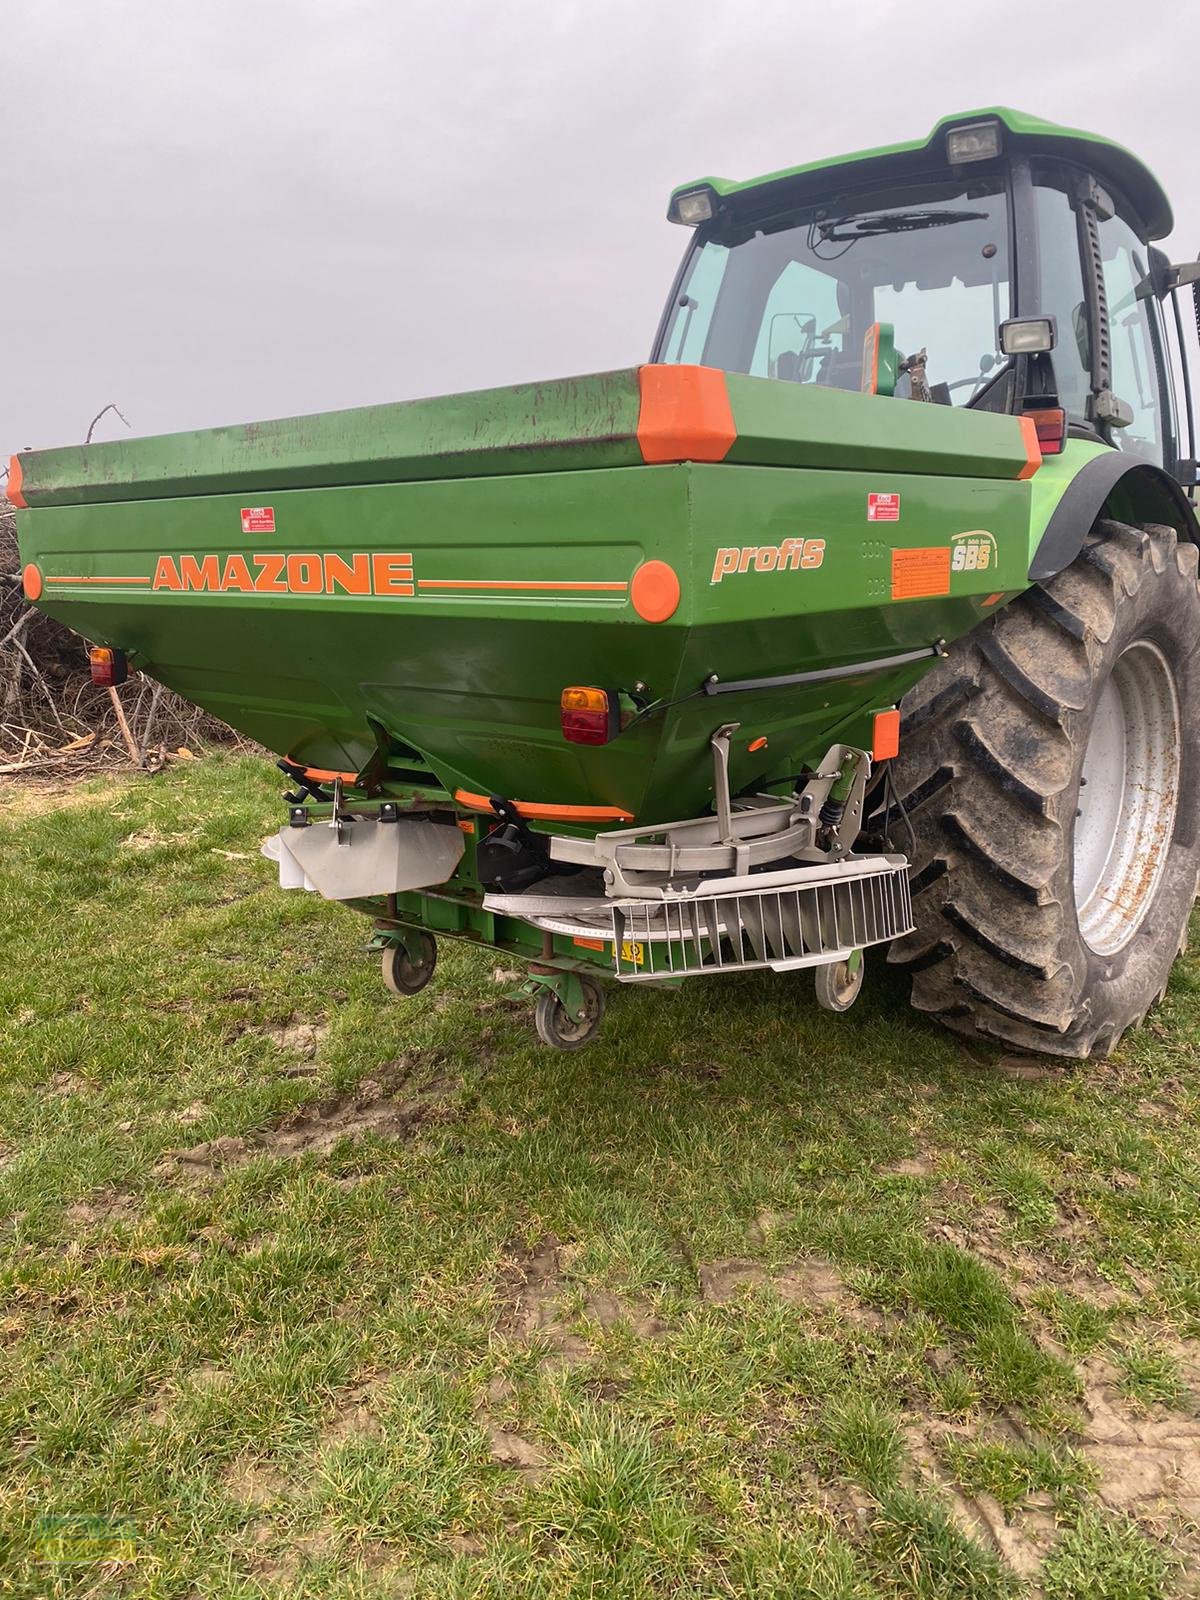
(845, 230)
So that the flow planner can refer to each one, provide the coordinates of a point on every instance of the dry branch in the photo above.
(111, 406)
(54, 719)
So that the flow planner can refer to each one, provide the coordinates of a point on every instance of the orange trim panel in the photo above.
(685, 414)
(322, 774)
(543, 811)
(1033, 448)
(16, 477)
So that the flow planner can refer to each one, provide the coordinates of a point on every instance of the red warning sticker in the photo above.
(883, 508)
(258, 519)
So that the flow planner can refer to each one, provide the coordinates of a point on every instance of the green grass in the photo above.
(1107, 1558)
(731, 1304)
(1150, 1376)
(1012, 1472)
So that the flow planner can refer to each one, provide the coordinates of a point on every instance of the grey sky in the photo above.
(231, 209)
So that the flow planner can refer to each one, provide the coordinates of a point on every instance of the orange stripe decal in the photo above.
(16, 477)
(1033, 448)
(97, 580)
(516, 583)
(685, 414)
(539, 811)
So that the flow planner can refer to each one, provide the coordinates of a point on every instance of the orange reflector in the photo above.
(1033, 447)
(108, 666)
(757, 744)
(885, 737)
(31, 582)
(588, 716)
(1051, 426)
(13, 487)
(466, 826)
(654, 591)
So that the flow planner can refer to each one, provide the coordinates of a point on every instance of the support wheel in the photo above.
(557, 1027)
(406, 973)
(840, 983)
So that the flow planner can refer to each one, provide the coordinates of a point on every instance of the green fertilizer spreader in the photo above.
(864, 614)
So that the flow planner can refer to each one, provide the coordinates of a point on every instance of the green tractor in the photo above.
(864, 615)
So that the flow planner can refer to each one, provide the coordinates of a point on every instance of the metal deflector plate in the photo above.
(364, 857)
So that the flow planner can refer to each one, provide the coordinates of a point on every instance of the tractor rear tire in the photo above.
(1050, 768)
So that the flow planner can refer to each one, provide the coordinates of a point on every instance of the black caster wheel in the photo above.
(839, 983)
(557, 1027)
(405, 975)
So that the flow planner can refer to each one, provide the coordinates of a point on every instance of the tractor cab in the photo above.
(1005, 265)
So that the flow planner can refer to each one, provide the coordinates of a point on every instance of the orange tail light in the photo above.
(589, 716)
(1051, 425)
(109, 667)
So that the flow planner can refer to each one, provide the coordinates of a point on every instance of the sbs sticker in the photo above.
(973, 552)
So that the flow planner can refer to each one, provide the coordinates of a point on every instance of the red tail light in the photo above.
(109, 667)
(1051, 425)
(589, 716)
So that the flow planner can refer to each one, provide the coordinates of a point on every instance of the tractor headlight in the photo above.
(977, 141)
(1027, 336)
(692, 208)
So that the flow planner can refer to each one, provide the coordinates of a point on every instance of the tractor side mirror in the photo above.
(879, 359)
(792, 349)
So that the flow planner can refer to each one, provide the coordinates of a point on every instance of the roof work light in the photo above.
(977, 141)
(1027, 336)
(691, 208)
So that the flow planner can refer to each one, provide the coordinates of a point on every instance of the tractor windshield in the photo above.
(794, 298)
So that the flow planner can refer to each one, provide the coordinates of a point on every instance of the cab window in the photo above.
(795, 297)
(1062, 292)
(1134, 340)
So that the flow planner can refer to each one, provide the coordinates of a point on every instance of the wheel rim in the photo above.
(573, 1028)
(844, 983)
(561, 1027)
(1128, 798)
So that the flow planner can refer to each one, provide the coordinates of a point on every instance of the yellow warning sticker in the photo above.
(636, 953)
(917, 574)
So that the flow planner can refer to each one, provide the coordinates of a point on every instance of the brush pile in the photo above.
(55, 722)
